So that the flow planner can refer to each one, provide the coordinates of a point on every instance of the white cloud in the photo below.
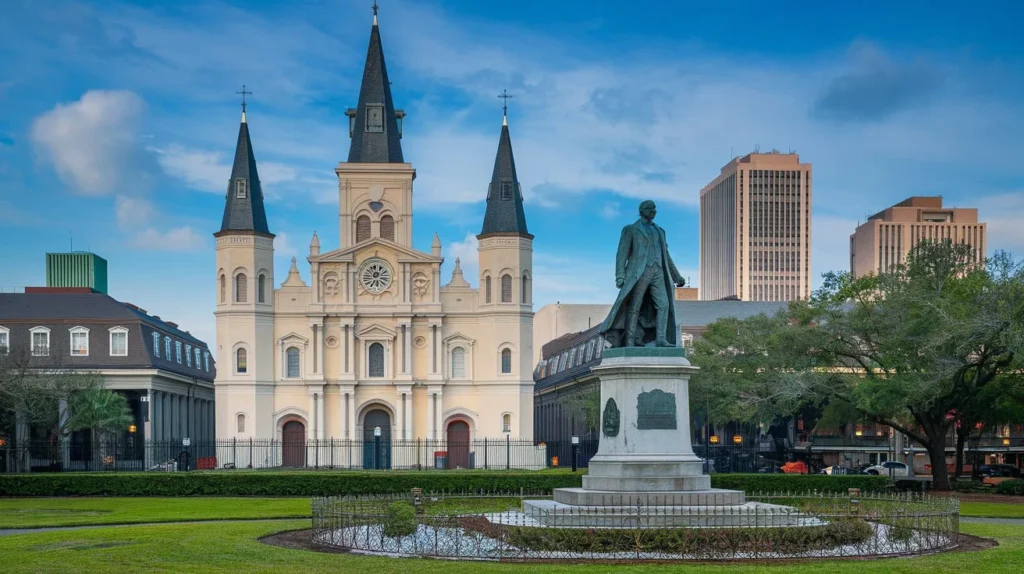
(209, 171)
(283, 245)
(610, 211)
(1002, 215)
(178, 239)
(132, 211)
(466, 252)
(93, 143)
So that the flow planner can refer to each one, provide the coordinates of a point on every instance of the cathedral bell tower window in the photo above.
(506, 191)
(374, 118)
(241, 188)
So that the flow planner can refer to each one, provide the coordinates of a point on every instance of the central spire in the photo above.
(373, 124)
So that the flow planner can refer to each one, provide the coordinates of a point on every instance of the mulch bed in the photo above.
(984, 497)
(303, 540)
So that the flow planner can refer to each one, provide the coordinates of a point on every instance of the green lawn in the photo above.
(39, 512)
(992, 509)
(233, 547)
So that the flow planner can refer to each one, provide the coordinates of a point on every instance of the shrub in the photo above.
(400, 520)
(1014, 487)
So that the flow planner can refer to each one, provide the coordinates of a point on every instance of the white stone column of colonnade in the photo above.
(405, 412)
(434, 410)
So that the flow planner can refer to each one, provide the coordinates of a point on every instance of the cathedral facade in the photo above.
(374, 344)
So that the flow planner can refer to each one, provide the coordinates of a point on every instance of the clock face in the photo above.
(375, 275)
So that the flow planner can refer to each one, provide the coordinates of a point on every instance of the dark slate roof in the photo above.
(504, 216)
(244, 214)
(98, 312)
(375, 147)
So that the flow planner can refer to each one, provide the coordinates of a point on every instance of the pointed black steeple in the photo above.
(504, 215)
(243, 207)
(374, 123)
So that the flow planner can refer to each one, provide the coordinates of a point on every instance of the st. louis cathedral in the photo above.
(375, 341)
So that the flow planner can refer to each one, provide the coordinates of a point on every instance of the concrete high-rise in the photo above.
(887, 237)
(755, 230)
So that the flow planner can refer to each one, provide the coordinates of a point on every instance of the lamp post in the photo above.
(376, 448)
(508, 449)
(575, 451)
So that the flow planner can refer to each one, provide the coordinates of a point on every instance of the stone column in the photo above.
(407, 403)
(350, 350)
(407, 348)
(320, 414)
(311, 429)
(351, 415)
(430, 413)
(157, 423)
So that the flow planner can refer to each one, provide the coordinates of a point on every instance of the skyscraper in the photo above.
(755, 230)
(887, 236)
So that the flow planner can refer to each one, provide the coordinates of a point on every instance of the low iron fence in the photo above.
(775, 526)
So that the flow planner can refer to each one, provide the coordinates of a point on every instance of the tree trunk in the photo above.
(961, 440)
(937, 457)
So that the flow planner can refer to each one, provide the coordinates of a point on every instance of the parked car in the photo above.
(999, 471)
(888, 468)
(838, 470)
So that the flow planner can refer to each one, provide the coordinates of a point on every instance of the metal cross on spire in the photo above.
(244, 93)
(375, 12)
(504, 105)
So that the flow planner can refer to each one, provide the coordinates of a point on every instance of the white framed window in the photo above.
(487, 289)
(292, 363)
(241, 361)
(241, 188)
(79, 342)
(506, 423)
(177, 351)
(241, 288)
(261, 288)
(206, 361)
(40, 341)
(167, 347)
(375, 363)
(156, 345)
(188, 355)
(198, 354)
(240, 422)
(119, 342)
(458, 363)
(5, 340)
(506, 361)
(506, 288)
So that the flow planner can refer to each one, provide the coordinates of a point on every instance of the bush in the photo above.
(400, 520)
(328, 483)
(1014, 487)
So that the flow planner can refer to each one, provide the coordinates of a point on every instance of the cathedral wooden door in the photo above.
(458, 444)
(293, 444)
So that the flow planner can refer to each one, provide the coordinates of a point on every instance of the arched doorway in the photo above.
(293, 444)
(458, 444)
(377, 454)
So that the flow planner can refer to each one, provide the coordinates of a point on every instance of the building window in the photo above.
(525, 294)
(292, 355)
(579, 355)
(80, 342)
(458, 363)
(376, 360)
(241, 288)
(506, 361)
(188, 355)
(487, 289)
(590, 350)
(40, 341)
(119, 342)
(506, 288)
(362, 228)
(156, 345)
(506, 423)
(206, 361)
(240, 422)
(506, 191)
(562, 361)
(177, 351)
(240, 362)
(241, 188)
(261, 282)
(223, 288)
(387, 228)
(5, 340)
(374, 118)
(198, 354)
(167, 347)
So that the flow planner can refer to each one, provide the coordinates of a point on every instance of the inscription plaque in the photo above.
(610, 419)
(656, 410)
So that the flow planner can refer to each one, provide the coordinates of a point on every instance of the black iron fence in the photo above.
(503, 526)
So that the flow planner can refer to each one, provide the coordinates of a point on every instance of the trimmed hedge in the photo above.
(327, 483)
(1014, 487)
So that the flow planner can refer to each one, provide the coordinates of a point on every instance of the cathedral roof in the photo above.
(374, 122)
(504, 215)
(243, 204)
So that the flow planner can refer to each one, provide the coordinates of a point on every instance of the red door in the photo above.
(458, 444)
(293, 443)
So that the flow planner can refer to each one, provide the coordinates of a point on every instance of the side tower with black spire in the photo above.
(375, 184)
(505, 251)
(245, 302)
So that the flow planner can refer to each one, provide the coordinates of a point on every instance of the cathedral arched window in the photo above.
(261, 283)
(241, 422)
(458, 363)
(525, 294)
(506, 288)
(292, 360)
(506, 361)
(223, 288)
(376, 360)
(241, 288)
(241, 361)
(362, 228)
(487, 289)
(387, 228)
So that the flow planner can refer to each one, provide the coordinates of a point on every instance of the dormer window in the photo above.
(374, 118)
(506, 191)
(241, 188)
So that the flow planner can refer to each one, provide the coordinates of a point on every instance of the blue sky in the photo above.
(118, 121)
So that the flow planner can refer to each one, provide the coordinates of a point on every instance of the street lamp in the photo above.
(737, 439)
(575, 450)
(713, 439)
(376, 448)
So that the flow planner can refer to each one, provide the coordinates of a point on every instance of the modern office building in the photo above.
(887, 237)
(755, 230)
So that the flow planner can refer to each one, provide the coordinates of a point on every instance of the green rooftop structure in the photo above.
(76, 269)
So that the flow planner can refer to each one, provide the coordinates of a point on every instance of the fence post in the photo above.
(485, 453)
(250, 453)
(508, 451)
